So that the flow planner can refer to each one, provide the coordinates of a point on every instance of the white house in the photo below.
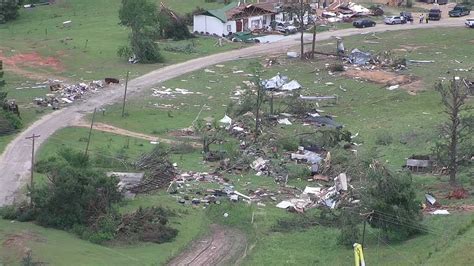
(235, 17)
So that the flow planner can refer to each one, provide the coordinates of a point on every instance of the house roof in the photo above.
(221, 12)
(233, 10)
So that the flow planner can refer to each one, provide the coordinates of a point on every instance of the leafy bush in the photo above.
(288, 143)
(345, 161)
(21, 213)
(296, 223)
(383, 138)
(183, 148)
(124, 51)
(185, 49)
(9, 212)
(338, 67)
(348, 225)
(147, 225)
(326, 138)
(76, 194)
(298, 171)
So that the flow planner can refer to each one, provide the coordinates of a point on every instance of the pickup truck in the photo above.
(459, 11)
(470, 22)
(435, 14)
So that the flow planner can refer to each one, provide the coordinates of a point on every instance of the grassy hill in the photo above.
(36, 47)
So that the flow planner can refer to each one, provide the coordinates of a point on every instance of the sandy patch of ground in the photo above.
(18, 243)
(185, 133)
(123, 132)
(17, 63)
(410, 83)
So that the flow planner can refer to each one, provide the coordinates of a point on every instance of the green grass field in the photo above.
(61, 53)
(39, 30)
(61, 248)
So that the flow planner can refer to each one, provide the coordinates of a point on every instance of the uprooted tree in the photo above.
(455, 145)
(391, 198)
(142, 18)
(210, 133)
(172, 25)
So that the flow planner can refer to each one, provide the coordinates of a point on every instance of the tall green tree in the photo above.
(3, 94)
(456, 129)
(8, 10)
(142, 18)
(138, 13)
(9, 121)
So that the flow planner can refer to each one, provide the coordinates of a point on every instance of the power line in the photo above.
(394, 249)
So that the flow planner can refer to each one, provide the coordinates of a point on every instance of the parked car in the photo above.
(285, 27)
(435, 14)
(470, 22)
(407, 16)
(459, 11)
(363, 23)
(392, 20)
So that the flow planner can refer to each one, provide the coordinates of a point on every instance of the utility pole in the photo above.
(363, 234)
(33, 138)
(90, 133)
(257, 115)
(301, 17)
(125, 94)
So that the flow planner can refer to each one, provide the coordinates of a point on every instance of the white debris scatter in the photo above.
(171, 92)
(440, 212)
(393, 87)
(226, 120)
(284, 121)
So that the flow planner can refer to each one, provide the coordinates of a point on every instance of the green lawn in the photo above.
(61, 248)
(39, 31)
(365, 108)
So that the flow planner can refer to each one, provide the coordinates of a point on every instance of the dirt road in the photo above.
(222, 246)
(15, 161)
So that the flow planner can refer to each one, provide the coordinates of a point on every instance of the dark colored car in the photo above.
(435, 14)
(407, 16)
(459, 11)
(363, 23)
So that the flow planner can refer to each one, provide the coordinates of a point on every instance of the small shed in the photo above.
(419, 163)
(128, 181)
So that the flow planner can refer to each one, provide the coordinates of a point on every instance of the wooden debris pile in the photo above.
(159, 171)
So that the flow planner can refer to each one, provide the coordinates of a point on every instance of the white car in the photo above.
(394, 20)
(470, 22)
(285, 28)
